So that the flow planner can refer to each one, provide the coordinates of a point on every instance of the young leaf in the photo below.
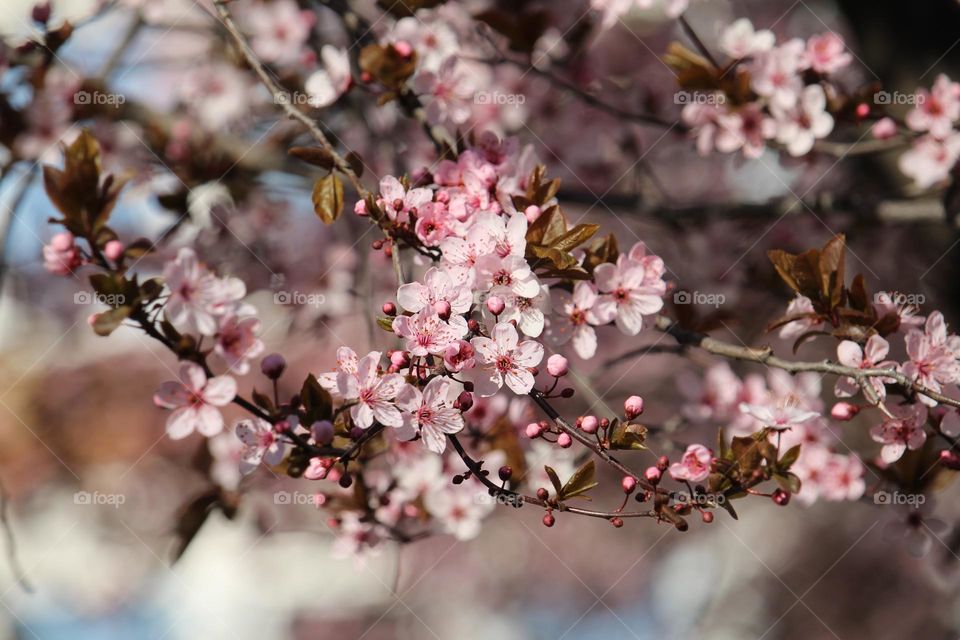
(580, 482)
(554, 480)
(328, 198)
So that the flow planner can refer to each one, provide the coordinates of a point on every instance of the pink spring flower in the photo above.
(581, 312)
(434, 223)
(780, 415)
(624, 286)
(459, 356)
(526, 311)
(427, 334)
(694, 466)
(799, 126)
(775, 74)
(195, 401)
(448, 93)
(740, 40)
(850, 354)
(62, 255)
(933, 356)
(936, 109)
(399, 203)
(197, 297)
(510, 272)
(260, 444)
(347, 365)
(929, 160)
(503, 358)
(430, 413)
(801, 308)
(237, 342)
(437, 286)
(373, 394)
(826, 53)
(325, 85)
(278, 30)
(901, 433)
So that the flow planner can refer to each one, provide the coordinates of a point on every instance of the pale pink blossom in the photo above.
(775, 74)
(740, 40)
(528, 312)
(827, 53)
(932, 356)
(624, 285)
(459, 356)
(327, 84)
(278, 30)
(347, 365)
(372, 392)
(800, 308)
(197, 297)
(937, 109)
(694, 465)
(427, 334)
(434, 223)
(511, 272)
(778, 415)
(579, 314)
(430, 412)
(871, 356)
(195, 401)
(799, 126)
(261, 444)
(437, 286)
(827, 475)
(903, 432)
(398, 203)
(503, 358)
(459, 508)
(448, 93)
(237, 342)
(929, 160)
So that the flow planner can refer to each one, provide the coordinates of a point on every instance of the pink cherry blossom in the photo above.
(399, 203)
(197, 297)
(850, 354)
(929, 160)
(459, 356)
(437, 286)
(62, 256)
(800, 308)
(237, 342)
(781, 415)
(278, 30)
(458, 508)
(933, 356)
(427, 334)
(373, 394)
(775, 74)
(579, 313)
(347, 365)
(937, 109)
(694, 465)
(827, 53)
(448, 93)
(740, 40)
(503, 358)
(195, 400)
(434, 223)
(903, 432)
(799, 126)
(623, 285)
(528, 312)
(261, 444)
(510, 272)
(327, 84)
(430, 412)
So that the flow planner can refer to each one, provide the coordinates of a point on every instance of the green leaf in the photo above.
(554, 480)
(788, 458)
(328, 198)
(787, 481)
(385, 323)
(107, 321)
(580, 482)
(626, 435)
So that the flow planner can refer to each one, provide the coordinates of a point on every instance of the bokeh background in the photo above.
(76, 416)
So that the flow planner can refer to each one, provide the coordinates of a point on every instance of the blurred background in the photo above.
(94, 490)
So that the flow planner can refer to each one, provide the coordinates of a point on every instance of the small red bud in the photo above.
(549, 520)
(707, 517)
(542, 494)
(564, 440)
(505, 473)
(652, 474)
(616, 522)
(465, 401)
(629, 483)
(566, 393)
(663, 462)
(389, 309)
(780, 497)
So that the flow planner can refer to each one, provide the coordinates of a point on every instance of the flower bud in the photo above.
(399, 358)
(464, 401)
(505, 472)
(632, 407)
(590, 424)
(567, 393)
(663, 462)
(442, 307)
(403, 48)
(564, 440)
(863, 110)
(389, 309)
(549, 520)
(533, 430)
(652, 474)
(629, 483)
(113, 250)
(950, 460)
(542, 494)
(41, 12)
(707, 517)
(322, 432)
(616, 522)
(557, 365)
(781, 497)
(844, 411)
(495, 305)
(532, 213)
(273, 366)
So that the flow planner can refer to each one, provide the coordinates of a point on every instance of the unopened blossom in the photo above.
(579, 314)
(504, 359)
(261, 444)
(427, 334)
(373, 394)
(430, 412)
(237, 342)
(871, 356)
(827, 53)
(740, 40)
(399, 203)
(623, 285)
(62, 255)
(903, 432)
(196, 401)
(694, 465)
(331, 81)
(528, 312)
(448, 93)
(198, 297)
(937, 109)
(557, 365)
(437, 286)
(799, 126)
